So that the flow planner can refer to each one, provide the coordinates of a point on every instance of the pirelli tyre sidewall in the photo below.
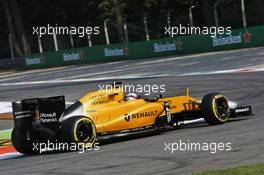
(215, 108)
(78, 129)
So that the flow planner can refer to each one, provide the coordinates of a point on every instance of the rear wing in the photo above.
(38, 111)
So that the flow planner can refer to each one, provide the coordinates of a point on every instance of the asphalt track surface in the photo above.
(147, 155)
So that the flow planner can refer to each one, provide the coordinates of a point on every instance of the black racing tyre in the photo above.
(21, 144)
(78, 129)
(215, 108)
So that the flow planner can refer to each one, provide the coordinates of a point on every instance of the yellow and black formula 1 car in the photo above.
(101, 115)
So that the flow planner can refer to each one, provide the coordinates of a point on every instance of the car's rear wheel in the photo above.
(215, 108)
(21, 144)
(79, 130)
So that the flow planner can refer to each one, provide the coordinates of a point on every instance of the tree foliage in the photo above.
(20, 16)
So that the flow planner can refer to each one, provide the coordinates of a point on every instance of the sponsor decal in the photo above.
(44, 118)
(179, 44)
(242, 110)
(33, 61)
(43, 115)
(99, 102)
(247, 37)
(127, 117)
(168, 46)
(97, 96)
(23, 114)
(71, 56)
(220, 41)
(90, 111)
(237, 39)
(109, 52)
(140, 115)
(126, 130)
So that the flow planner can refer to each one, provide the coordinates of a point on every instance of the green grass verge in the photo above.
(243, 170)
(6, 134)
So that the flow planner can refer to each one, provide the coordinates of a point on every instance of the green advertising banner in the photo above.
(189, 44)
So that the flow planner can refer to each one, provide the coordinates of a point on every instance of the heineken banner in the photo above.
(111, 52)
(167, 46)
(34, 60)
(232, 39)
(188, 44)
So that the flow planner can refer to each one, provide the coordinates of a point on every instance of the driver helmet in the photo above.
(131, 96)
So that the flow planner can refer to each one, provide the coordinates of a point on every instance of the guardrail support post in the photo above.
(55, 41)
(125, 30)
(190, 15)
(106, 31)
(11, 46)
(216, 15)
(71, 40)
(146, 27)
(243, 13)
(40, 44)
(89, 41)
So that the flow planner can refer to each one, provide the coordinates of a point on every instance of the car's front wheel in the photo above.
(215, 108)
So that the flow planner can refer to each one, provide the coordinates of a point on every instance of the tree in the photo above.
(114, 9)
(19, 25)
(11, 28)
(15, 27)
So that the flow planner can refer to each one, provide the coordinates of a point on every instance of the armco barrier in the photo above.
(9, 64)
(188, 44)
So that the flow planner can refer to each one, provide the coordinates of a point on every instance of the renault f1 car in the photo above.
(101, 114)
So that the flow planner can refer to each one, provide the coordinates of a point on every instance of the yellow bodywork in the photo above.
(110, 112)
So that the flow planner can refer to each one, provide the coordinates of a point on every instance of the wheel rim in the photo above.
(221, 108)
(84, 131)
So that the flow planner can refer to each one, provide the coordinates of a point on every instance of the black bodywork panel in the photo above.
(38, 114)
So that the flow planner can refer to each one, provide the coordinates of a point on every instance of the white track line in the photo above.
(10, 155)
(83, 80)
(105, 72)
(5, 130)
(6, 107)
(14, 74)
(82, 67)
(135, 76)
(246, 69)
